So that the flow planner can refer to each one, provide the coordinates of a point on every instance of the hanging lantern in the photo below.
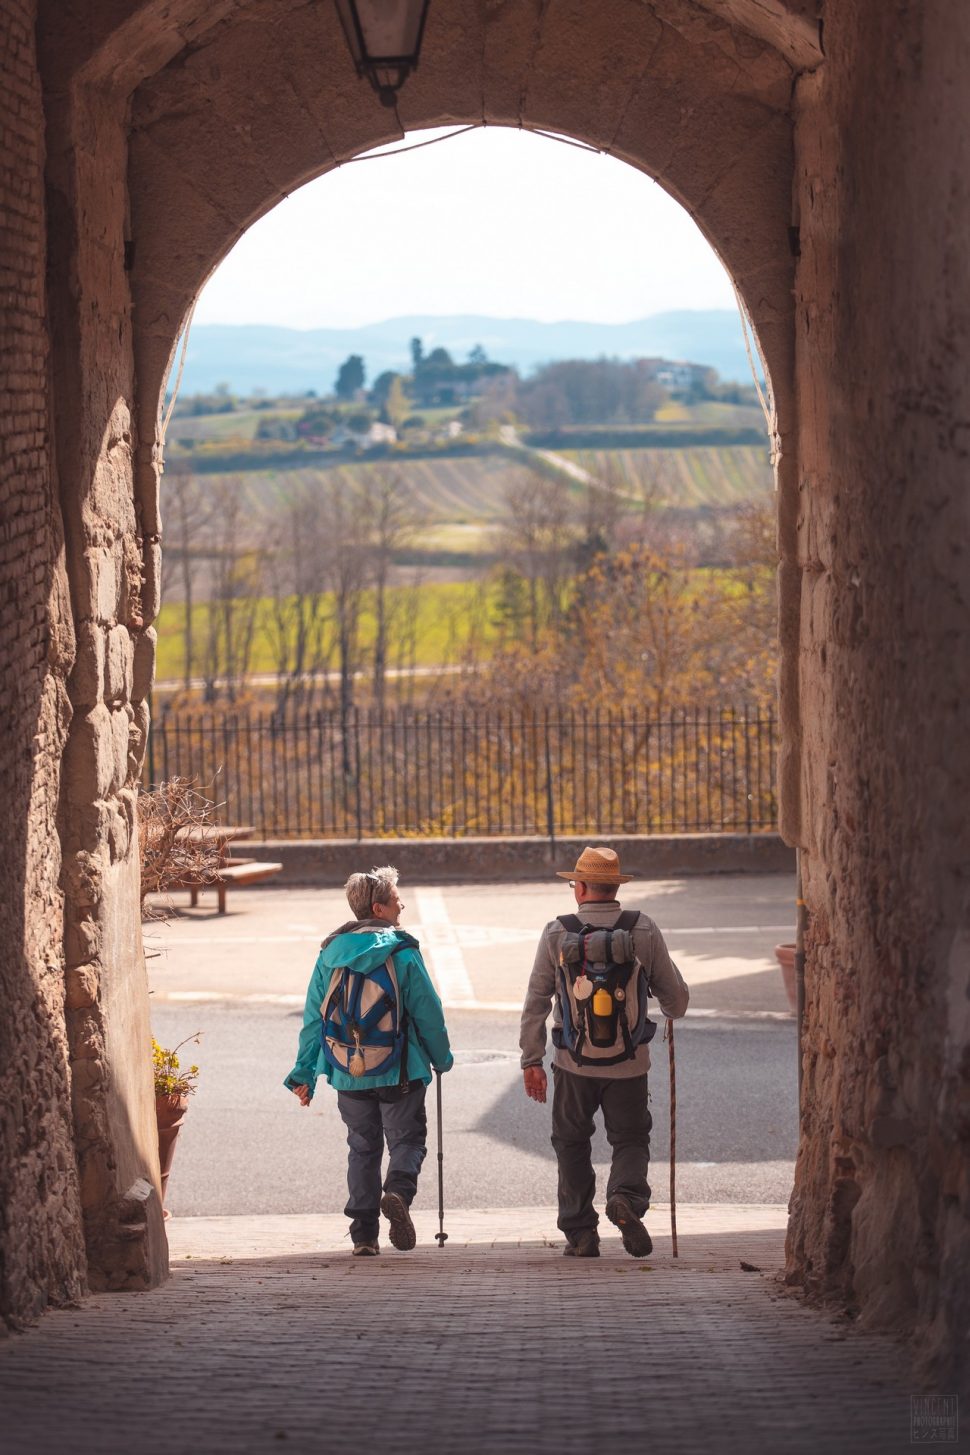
(384, 37)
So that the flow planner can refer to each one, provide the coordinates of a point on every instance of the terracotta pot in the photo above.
(170, 1109)
(785, 955)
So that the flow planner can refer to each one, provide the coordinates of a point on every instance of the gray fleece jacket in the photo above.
(666, 984)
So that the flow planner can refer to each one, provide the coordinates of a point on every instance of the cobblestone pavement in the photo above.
(484, 1346)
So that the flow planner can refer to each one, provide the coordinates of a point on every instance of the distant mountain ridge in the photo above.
(252, 356)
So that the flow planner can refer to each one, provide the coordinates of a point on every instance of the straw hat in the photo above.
(596, 866)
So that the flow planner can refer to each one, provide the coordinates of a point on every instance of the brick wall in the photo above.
(41, 1251)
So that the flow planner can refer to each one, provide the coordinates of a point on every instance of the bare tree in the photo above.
(535, 536)
(394, 521)
(406, 624)
(234, 591)
(188, 519)
(298, 617)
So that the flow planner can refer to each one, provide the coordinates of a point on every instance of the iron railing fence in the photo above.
(309, 774)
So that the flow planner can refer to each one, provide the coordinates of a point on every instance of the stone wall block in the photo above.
(152, 589)
(119, 739)
(91, 825)
(87, 1041)
(99, 589)
(89, 757)
(119, 665)
(97, 1183)
(129, 605)
(88, 1079)
(82, 941)
(143, 675)
(81, 986)
(119, 836)
(86, 682)
(138, 741)
(84, 879)
(127, 804)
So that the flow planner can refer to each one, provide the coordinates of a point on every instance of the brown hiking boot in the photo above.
(587, 1245)
(636, 1239)
(366, 1250)
(395, 1209)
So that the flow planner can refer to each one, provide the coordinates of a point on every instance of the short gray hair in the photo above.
(602, 890)
(366, 890)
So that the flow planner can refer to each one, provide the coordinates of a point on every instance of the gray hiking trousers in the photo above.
(626, 1116)
(371, 1117)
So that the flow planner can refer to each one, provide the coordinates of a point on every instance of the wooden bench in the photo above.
(233, 871)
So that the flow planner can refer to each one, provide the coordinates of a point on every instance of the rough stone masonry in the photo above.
(823, 149)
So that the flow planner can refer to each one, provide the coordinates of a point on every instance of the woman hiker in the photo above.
(374, 1027)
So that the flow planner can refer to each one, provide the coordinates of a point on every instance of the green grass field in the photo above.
(241, 425)
(449, 614)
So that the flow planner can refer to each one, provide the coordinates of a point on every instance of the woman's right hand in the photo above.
(303, 1092)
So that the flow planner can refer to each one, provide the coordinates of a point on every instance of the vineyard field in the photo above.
(470, 490)
(690, 478)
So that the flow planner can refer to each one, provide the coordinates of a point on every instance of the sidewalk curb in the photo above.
(327, 862)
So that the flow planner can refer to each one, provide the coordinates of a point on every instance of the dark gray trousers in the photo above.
(626, 1116)
(371, 1117)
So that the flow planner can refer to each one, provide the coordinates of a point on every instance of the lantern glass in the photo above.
(384, 37)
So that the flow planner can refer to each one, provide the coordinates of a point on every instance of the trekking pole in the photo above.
(440, 1235)
(673, 1134)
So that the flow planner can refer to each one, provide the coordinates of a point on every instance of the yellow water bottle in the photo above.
(600, 1020)
(602, 1002)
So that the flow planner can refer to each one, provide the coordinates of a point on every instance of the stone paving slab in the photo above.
(484, 1346)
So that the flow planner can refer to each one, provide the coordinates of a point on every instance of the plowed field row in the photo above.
(471, 490)
(691, 477)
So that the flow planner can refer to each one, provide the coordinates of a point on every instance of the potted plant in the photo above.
(173, 1087)
(785, 955)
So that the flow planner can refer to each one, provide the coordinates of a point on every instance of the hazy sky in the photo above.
(496, 221)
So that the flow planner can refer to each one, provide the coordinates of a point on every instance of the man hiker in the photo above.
(374, 1027)
(599, 965)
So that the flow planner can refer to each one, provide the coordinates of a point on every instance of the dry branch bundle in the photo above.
(173, 843)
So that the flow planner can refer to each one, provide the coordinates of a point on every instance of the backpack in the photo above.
(602, 990)
(364, 1028)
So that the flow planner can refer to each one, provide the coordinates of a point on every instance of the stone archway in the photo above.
(171, 127)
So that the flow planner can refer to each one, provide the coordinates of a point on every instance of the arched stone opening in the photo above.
(169, 130)
(258, 102)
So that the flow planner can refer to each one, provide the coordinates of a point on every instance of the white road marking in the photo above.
(441, 943)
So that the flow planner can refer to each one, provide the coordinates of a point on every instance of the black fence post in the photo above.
(686, 773)
(550, 805)
(360, 828)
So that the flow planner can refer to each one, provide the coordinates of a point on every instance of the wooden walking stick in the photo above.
(669, 1036)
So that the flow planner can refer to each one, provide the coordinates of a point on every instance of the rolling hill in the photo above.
(248, 357)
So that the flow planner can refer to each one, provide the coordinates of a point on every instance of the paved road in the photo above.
(247, 1146)
(479, 939)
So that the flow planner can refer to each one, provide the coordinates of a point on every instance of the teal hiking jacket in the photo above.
(428, 1046)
